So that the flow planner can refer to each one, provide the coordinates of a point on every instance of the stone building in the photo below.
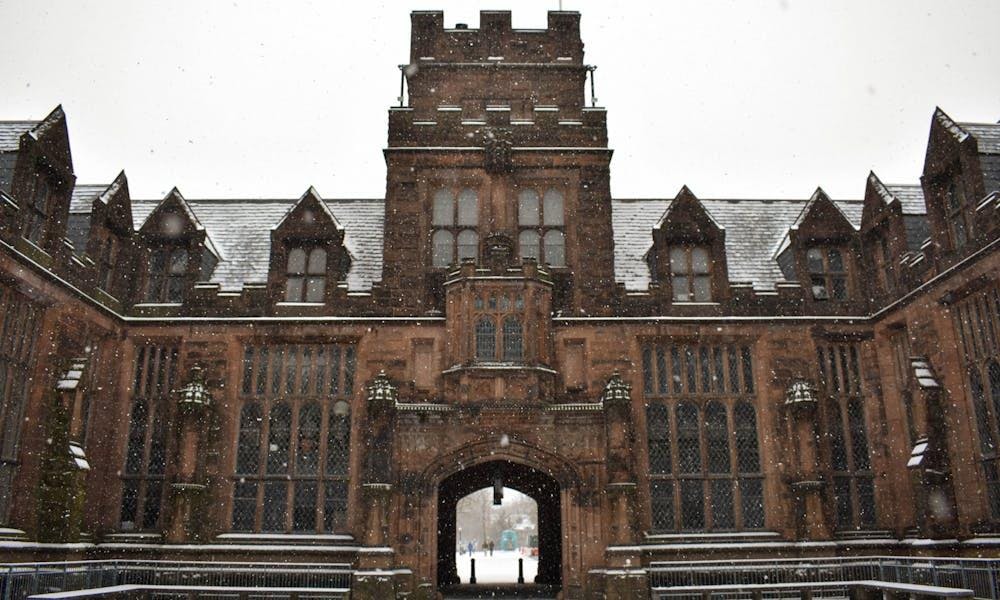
(672, 378)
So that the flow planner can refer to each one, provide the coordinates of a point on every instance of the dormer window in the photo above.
(106, 264)
(541, 224)
(454, 226)
(38, 211)
(691, 274)
(305, 275)
(827, 273)
(167, 274)
(957, 225)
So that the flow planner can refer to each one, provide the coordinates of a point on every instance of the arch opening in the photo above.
(540, 487)
(497, 535)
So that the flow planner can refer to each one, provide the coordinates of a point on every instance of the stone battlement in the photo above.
(495, 40)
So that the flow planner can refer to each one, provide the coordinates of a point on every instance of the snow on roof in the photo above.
(987, 136)
(753, 229)
(11, 132)
(84, 195)
(950, 126)
(241, 229)
(910, 196)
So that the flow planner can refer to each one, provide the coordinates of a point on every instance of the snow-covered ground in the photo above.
(499, 568)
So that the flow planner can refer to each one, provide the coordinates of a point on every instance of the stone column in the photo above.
(374, 577)
(188, 488)
(801, 406)
(625, 579)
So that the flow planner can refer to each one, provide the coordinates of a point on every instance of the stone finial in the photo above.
(195, 394)
(381, 391)
(801, 393)
(616, 390)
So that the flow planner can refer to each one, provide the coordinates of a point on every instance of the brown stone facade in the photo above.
(846, 404)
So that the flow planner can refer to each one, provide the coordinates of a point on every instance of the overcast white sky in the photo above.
(766, 98)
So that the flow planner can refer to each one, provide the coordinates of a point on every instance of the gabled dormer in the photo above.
(178, 252)
(893, 223)
(688, 257)
(961, 167)
(820, 251)
(308, 255)
(111, 241)
(37, 173)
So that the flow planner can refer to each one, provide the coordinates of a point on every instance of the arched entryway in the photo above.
(542, 488)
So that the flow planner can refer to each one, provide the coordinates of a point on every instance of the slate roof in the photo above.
(11, 132)
(241, 229)
(84, 195)
(754, 228)
(911, 198)
(987, 136)
(990, 164)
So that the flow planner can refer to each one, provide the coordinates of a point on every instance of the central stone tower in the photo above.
(497, 143)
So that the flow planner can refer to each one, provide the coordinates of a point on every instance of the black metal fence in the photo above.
(978, 574)
(20, 580)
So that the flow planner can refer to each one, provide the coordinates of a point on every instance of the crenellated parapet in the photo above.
(495, 39)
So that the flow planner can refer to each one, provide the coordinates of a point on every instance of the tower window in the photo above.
(827, 273)
(305, 275)
(541, 223)
(454, 222)
(691, 274)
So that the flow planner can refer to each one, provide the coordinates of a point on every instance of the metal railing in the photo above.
(20, 580)
(978, 574)
(187, 592)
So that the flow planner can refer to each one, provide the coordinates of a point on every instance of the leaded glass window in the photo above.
(145, 455)
(847, 431)
(827, 273)
(166, 276)
(704, 459)
(977, 322)
(296, 415)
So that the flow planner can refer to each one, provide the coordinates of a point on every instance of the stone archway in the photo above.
(543, 488)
